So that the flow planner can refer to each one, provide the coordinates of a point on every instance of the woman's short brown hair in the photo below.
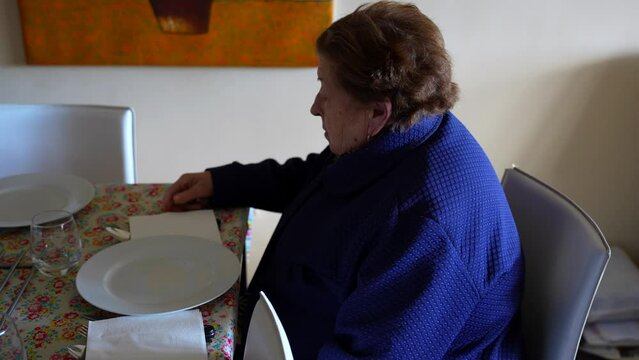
(391, 50)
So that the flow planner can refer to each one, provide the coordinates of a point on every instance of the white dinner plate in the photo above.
(157, 275)
(23, 196)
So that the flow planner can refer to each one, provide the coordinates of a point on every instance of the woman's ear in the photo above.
(381, 113)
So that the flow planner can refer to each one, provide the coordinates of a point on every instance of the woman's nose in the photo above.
(315, 111)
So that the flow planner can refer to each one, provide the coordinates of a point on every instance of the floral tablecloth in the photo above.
(51, 311)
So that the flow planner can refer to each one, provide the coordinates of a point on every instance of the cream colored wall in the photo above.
(550, 85)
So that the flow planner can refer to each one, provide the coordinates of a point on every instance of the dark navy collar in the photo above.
(352, 171)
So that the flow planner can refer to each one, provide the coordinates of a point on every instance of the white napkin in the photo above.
(200, 223)
(174, 336)
(618, 294)
(613, 333)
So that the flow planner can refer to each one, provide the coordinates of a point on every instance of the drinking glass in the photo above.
(56, 246)
(11, 345)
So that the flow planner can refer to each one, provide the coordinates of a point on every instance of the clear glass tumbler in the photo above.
(56, 246)
(11, 345)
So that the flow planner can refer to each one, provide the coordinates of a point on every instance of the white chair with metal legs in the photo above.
(94, 142)
(565, 256)
(266, 338)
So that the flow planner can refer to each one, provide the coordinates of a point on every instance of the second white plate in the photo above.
(23, 196)
(157, 275)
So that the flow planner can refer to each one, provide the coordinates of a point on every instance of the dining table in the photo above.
(50, 313)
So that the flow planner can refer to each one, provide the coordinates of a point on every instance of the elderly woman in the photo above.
(396, 241)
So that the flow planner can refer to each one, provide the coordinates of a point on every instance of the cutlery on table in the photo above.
(83, 330)
(4, 265)
(77, 351)
(12, 269)
(15, 301)
(118, 233)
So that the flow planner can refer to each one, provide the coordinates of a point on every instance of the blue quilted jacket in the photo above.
(403, 249)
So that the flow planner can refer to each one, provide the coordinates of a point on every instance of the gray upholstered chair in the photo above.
(94, 142)
(565, 256)
(266, 338)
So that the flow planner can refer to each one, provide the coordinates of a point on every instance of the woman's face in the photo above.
(345, 120)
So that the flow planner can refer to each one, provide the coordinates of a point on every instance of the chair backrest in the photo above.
(565, 256)
(94, 142)
(266, 338)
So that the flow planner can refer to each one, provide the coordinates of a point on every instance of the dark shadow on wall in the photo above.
(11, 48)
(596, 162)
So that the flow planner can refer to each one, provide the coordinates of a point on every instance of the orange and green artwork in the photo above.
(173, 32)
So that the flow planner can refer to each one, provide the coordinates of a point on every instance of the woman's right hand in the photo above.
(190, 192)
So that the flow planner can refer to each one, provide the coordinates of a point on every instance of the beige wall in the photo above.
(552, 86)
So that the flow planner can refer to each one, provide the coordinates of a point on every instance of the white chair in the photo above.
(94, 142)
(565, 256)
(266, 338)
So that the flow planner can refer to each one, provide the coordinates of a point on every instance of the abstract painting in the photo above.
(173, 32)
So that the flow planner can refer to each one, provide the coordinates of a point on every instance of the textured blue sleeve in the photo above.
(266, 185)
(412, 298)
